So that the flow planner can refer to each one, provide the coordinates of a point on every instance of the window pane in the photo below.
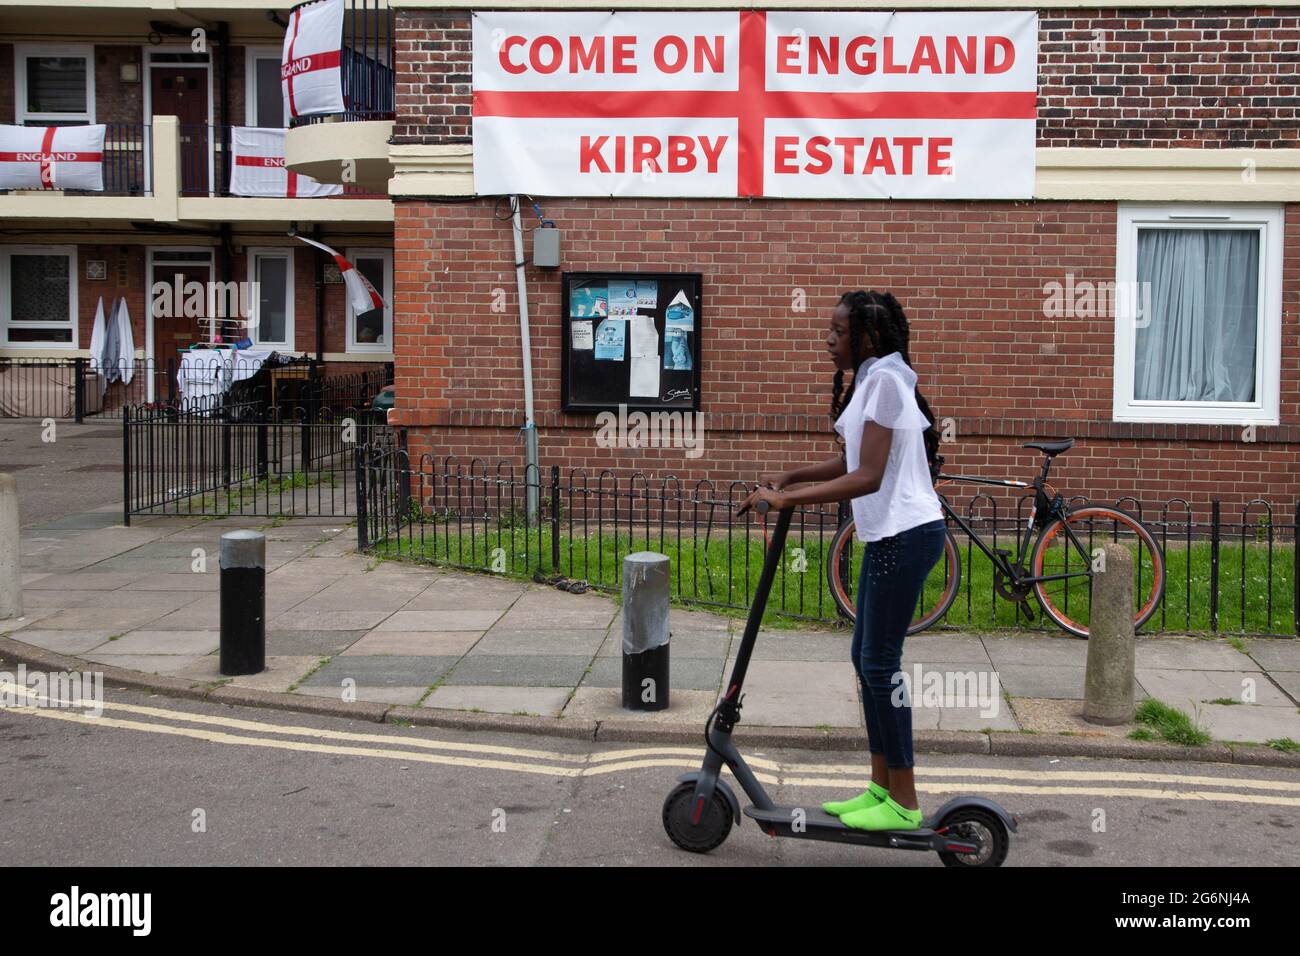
(56, 84)
(270, 98)
(272, 291)
(370, 325)
(1196, 339)
(40, 290)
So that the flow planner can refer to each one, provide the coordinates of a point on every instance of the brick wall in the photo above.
(970, 276)
(1143, 78)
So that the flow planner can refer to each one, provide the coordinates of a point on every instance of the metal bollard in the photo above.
(243, 603)
(1108, 680)
(11, 572)
(645, 631)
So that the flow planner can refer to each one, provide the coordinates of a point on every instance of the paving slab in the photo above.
(543, 701)
(300, 620)
(802, 694)
(183, 581)
(117, 619)
(440, 621)
(279, 676)
(1061, 682)
(778, 645)
(449, 594)
(148, 663)
(1194, 654)
(929, 646)
(688, 707)
(1186, 689)
(519, 670)
(1276, 654)
(83, 581)
(63, 642)
(503, 640)
(1250, 722)
(293, 642)
(415, 643)
(1044, 651)
(166, 642)
(1289, 681)
(381, 671)
(30, 616)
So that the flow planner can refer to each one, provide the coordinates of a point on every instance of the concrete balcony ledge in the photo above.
(342, 152)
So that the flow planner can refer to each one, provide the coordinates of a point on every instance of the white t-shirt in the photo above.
(886, 393)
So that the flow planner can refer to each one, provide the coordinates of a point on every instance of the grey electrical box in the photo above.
(546, 247)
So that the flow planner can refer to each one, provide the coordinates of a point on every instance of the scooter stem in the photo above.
(729, 710)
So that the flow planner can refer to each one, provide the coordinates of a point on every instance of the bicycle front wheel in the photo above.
(1067, 600)
(937, 595)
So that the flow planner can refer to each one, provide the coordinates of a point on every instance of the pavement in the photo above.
(349, 634)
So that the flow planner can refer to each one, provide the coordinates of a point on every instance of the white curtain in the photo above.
(1200, 342)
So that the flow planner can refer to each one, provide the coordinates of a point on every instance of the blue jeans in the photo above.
(894, 570)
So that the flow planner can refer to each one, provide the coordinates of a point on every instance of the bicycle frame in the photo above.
(1022, 546)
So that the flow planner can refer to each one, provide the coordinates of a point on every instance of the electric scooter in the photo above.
(702, 809)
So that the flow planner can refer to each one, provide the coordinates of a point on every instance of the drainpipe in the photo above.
(320, 300)
(223, 45)
(530, 427)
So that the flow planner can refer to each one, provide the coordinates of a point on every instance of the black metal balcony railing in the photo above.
(368, 78)
(126, 163)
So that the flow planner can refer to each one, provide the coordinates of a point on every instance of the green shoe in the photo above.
(873, 795)
(887, 815)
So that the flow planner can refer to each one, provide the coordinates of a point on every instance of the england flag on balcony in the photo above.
(310, 72)
(55, 157)
(259, 168)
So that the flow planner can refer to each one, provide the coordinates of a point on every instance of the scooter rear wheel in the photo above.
(973, 823)
(714, 826)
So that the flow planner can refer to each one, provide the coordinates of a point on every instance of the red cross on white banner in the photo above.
(755, 103)
(310, 74)
(259, 168)
(54, 157)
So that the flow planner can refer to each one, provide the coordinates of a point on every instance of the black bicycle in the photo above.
(1060, 564)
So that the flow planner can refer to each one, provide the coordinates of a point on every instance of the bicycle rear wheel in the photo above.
(844, 566)
(1068, 601)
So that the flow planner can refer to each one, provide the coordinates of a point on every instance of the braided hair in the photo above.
(879, 317)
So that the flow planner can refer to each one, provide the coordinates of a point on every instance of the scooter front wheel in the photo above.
(982, 827)
(712, 829)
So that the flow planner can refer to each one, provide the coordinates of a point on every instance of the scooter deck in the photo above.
(816, 824)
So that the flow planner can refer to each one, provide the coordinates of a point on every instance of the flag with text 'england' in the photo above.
(259, 168)
(361, 294)
(310, 67)
(54, 157)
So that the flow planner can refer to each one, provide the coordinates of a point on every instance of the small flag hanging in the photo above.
(361, 294)
(259, 168)
(311, 75)
(53, 157)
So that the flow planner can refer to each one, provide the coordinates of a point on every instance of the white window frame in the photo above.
(385, 346)
(275, 252)
(25, 51)
(6, 290)
(251, 55)
(1269, 222)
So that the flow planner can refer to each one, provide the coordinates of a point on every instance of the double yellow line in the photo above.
(233, 731)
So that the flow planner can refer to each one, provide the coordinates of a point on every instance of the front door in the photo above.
(181, 90)
(179, 320)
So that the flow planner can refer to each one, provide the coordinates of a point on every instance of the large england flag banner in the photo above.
(310, 74)
(54, 157)
(259, 170)
(756, 103)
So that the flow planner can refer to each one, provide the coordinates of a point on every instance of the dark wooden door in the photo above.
(183, 92)
(173, 330)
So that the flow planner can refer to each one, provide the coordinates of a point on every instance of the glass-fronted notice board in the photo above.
(632, 339)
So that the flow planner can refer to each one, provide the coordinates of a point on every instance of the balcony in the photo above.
(168, 172)
(351, 147)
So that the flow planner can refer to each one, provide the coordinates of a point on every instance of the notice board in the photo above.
(632, 339)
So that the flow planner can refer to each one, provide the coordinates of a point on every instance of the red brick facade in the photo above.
(971, 276)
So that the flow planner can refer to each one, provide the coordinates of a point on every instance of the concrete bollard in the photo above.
(645, 631)
(1108, 682)
(243, 603)
(11, 572)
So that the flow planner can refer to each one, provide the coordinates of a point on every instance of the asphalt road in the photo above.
(161, 781)
(63, 470)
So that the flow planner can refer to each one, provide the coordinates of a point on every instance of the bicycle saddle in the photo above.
(1051, 447)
